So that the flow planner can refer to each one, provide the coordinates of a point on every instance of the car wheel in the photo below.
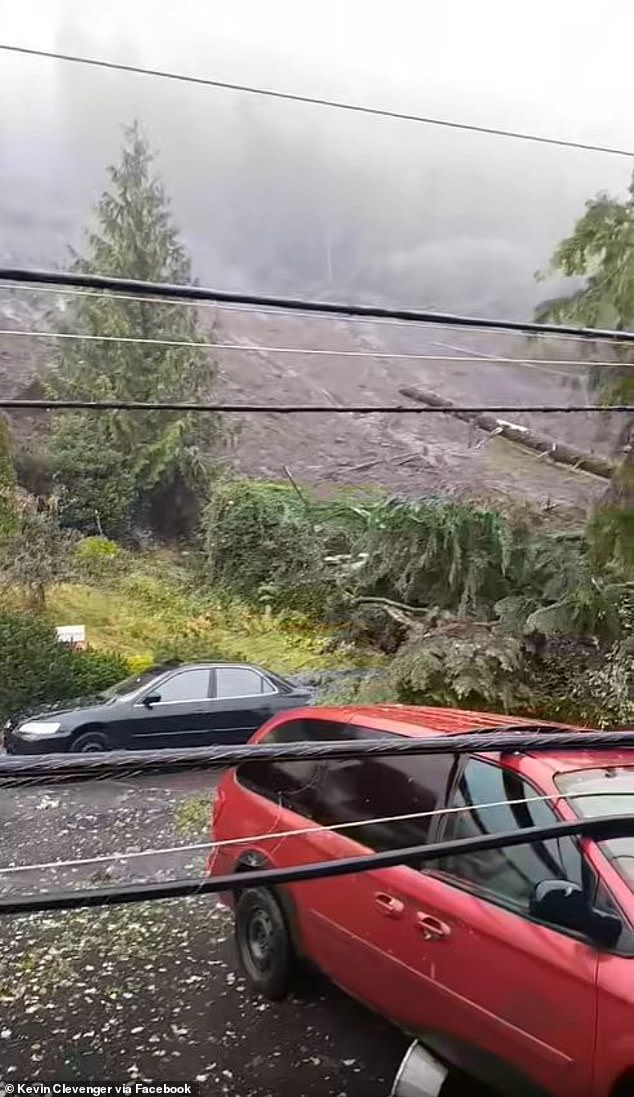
(90, 742)
(264, 945)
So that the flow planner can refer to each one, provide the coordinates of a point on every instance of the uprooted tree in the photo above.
(118, 469)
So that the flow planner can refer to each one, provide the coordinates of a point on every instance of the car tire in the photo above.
(264, 944)
(90, 742)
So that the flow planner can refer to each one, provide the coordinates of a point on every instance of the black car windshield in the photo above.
(133, 683)
(593, 793)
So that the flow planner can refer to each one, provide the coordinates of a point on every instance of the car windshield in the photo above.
(133, 683)
(593, 793)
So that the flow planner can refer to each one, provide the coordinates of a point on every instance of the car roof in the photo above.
(164, 668)
(415, 721)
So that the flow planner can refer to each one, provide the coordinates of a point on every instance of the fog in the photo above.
(278, 197)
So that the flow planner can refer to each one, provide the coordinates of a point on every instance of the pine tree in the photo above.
(600, 249)
(121, 468)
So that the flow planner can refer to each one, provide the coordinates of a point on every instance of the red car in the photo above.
(514, 966)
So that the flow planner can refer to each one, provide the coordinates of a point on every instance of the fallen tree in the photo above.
(538, 443)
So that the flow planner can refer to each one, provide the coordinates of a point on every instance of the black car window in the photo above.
(240, 682)
(293, 785)
(508, 873)
(187, 685)
(383, 788)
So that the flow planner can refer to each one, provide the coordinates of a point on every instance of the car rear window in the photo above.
(385, 798)
(594, 793)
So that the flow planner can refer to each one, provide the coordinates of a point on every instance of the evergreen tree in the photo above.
(121, 468)
(600, 248)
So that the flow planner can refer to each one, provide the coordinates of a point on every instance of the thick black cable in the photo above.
(529, 739)
(175, 292)
(609, 827)
(305, 409)
(293, 97)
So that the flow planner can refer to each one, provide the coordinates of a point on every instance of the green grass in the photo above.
(152, 609)
(192, 815)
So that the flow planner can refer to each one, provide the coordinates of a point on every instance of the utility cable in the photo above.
(307, 409)
(605, 829)
(514, 738)
(174, 292)
(318, 101)
(256, 348)
(255, 310)
(297, 832)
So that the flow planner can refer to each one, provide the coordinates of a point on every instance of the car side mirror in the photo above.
(562, 903)
(151, 699)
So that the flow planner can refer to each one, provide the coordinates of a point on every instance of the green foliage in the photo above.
(35, 669)
(92, 671)
(474, 669)
(97, 558)
(193, 815)
(118, 469)
(600, 250)
(37, 552)
(436, 553)
(268, 543)
(96, 485)
(458, 665)
(94, 549)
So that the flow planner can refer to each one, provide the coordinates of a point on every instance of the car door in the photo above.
(518, 999)
(180, 717)
(357, 925)
(242, 700)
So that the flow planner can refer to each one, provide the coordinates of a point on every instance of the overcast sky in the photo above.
(562, 69)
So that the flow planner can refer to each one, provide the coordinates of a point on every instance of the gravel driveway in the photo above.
(151, 991)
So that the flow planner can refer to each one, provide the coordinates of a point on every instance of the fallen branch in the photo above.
(538, 443)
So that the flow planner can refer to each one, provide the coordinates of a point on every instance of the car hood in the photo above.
(57, 710)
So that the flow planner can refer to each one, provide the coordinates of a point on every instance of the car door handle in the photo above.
(388, 905)
(432, 928)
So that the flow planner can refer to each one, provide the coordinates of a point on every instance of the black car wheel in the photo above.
(90, 742)
(265, 948)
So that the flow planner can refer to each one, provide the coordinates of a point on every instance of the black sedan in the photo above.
(183, 706)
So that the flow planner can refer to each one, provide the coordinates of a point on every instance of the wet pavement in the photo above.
(151, 991)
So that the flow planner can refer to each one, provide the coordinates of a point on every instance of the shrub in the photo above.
(97, 557)
(471, 668)
(36, 669)
(92, 671)
(266, 545)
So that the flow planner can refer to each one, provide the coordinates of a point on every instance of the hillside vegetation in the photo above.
(139, 526)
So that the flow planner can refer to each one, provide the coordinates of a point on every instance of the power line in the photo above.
(171, 291)
(279, 311)
(309, 409)
(598, 829)
(296, 832)
(527, 738)
(291, 97)
(256, 348)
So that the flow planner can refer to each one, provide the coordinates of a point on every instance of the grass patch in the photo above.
(192, 815)
(153, 610)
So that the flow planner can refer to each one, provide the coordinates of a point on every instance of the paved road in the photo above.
(151, 991)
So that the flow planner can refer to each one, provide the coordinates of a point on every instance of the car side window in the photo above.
(240, 682)
(293, 785)
(187, 685)
(397, 792)
(508, 874)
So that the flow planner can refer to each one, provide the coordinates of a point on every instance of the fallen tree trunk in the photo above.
(538, 443)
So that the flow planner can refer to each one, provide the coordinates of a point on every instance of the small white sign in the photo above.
(72, 634)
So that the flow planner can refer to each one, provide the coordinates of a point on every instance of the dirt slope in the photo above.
(409, 454)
